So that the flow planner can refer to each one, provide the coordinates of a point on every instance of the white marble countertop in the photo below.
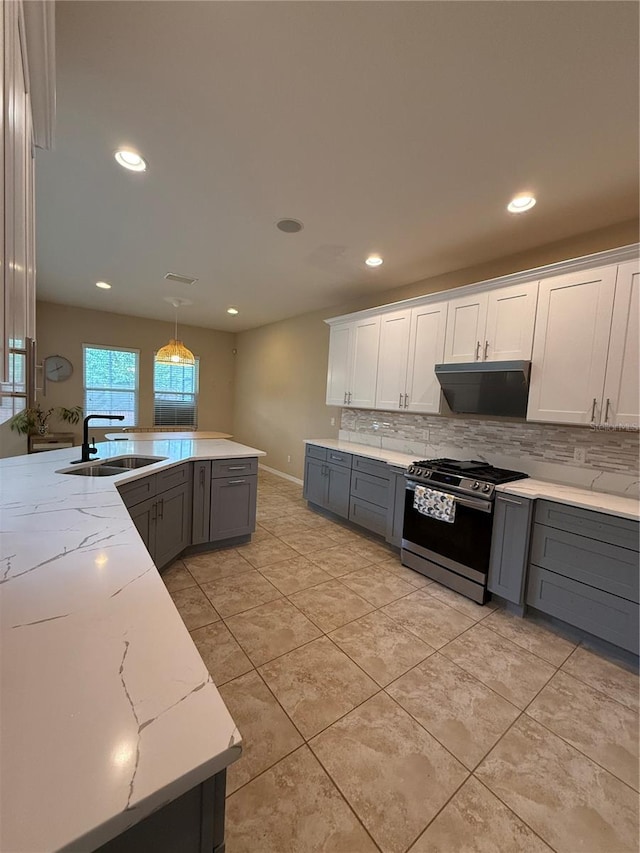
(107, 710)
(610, 504)
(574, 496)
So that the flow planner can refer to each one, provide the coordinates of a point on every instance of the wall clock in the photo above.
(57, 368)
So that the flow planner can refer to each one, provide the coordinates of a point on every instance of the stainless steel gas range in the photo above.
(448, 521)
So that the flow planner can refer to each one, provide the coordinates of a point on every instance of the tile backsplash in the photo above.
(548, 451)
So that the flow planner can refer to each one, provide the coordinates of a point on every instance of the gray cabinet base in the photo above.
(192, 823)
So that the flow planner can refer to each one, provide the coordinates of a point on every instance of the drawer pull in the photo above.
(235, 482)
(509, 500)
(237, 467)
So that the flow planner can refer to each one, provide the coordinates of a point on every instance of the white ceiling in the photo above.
(396, 127)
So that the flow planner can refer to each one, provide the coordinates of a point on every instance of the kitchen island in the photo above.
(108, 712)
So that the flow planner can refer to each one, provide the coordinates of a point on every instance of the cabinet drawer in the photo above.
(316, 452)
(375, 490)
(593, 610)
(598, 564)
(339, 458)
(371, 466)
(234, 467)
(368, 515)
(596, 525)
(172, 477)
(138, 491)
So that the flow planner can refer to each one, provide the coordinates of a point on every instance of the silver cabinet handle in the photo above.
(606, 411)
(349, 398)
(406, 401)
(593, 410)
(400, 401)
(345, 398)
(237, 467)
(508, 500)
(486, 349)
(154, 511)
(202, 477)
(477, 351)
(235, 482)
(161, 505)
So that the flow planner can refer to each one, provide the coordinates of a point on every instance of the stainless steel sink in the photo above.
(130, 462)
(97, 471)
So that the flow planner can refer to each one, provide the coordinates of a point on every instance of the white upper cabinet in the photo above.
(570, 347)
(495, 325)
(392, 360)
(622, 382)
(353, 363)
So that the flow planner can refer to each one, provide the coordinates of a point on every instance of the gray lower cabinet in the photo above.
(369, 495)
(192, 823)
(224, 499)
(395, 516)
(201, 502)
(510, 547)
(327, 483)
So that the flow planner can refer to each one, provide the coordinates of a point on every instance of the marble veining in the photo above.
(107, 709)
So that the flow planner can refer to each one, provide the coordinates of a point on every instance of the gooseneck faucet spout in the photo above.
(89, 449)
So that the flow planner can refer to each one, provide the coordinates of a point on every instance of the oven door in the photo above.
(464, 545)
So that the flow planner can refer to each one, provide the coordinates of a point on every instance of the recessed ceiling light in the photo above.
(130, 160)
(373, 261)
(290, 226)
(520, 203)
(232, 310)
(104, 285)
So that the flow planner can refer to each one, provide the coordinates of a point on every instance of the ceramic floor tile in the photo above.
(236, 593)
(607, 677)
(339, 560)
(293, 575)
(316, 684)
(216, 564)
(270, 630)
(433, 621)
(283, 525)
(376, 552)
(380, 646)
(567, 799)
(345, 536)
(511, 671)
(309, 541)
(267, 733)
(378, 749)
(330, 604)
(461, 712)
(194, 607)
(220, 652)
(319, 523)
(531, 636)
(177, 577)
(475, 821)
(293, 808)
(600, 727)
(460, 602)
(261, 554)
(395, 567)
(377, 586)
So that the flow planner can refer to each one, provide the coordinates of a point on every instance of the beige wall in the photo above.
(281, 368)
(61, 330)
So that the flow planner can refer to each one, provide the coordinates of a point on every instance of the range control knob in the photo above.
(420, 472)
(486, 487)
(475, 486)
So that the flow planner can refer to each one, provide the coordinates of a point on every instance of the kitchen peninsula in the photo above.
(108, 712)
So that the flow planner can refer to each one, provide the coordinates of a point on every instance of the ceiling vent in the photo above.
(181, 279)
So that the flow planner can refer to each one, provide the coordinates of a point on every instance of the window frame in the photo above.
(136, 390)
(196, 395)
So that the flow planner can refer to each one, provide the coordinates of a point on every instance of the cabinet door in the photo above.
(510, 547)
(173, 523)
(426, 349)
(621, 405)
(392, 360)
(143, 516)
(201, 502)
(338, 489)
(339, 370)
(466, 323)
(233, 507)
(570, 345)
(395, 517)
(511, 316)
(315, 483)
(364, 370)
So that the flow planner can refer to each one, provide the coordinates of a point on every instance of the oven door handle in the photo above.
(471, 503)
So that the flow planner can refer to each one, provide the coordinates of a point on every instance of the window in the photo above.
(13, 393)
(175, 394)
(111, 382)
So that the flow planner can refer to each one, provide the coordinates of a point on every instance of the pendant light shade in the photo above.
(175, 352)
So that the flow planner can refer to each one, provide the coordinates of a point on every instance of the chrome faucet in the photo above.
(89, 449)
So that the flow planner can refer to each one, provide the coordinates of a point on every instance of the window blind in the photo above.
(111, 382)
(175, 394)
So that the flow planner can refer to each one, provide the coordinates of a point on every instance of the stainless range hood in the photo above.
(486, 387)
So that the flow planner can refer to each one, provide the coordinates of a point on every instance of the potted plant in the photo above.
(36, 419)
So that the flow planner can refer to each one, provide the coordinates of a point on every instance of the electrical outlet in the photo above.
(333, 421)
(288, 459)
(579, 455)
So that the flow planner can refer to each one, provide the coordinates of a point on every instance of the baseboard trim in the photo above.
(281, 474)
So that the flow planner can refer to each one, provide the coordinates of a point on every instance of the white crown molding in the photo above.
(40, 37)
(598, 259)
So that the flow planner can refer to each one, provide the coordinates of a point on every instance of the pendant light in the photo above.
(175, 352)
